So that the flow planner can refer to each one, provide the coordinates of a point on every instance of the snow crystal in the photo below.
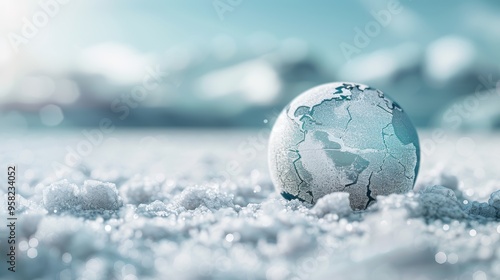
(334, 203)
(438, 202)
(141, 190)
(239, 227)
(495, 200)
(60, 196)
(93, 195)
(97, 195)
(194, 197)
(481, 209)
(155, 208)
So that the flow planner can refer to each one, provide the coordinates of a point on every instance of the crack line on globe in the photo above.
(387, 152)
(404, 167)
(384, 109)
(294, 163)
(369, 192)
(384, 134)
(348, 122)
(301, 128)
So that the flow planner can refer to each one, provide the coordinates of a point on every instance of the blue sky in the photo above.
(119, 39)
(153, 26)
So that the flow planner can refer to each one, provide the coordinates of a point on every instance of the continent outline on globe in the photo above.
(343, 137)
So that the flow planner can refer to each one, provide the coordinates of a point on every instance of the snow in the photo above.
(141, 190)
(438, 202)
(171, 210)
(61, 196)
(495, 200)
(100, 196)
(195, 197)
(93, 195)
(334, 203)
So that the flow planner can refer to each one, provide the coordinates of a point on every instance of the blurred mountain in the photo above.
(192, 86)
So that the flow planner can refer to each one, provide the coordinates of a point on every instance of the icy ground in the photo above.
(199, 205)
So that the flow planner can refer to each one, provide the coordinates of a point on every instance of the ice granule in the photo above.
(97, 195)
(441, 191)
(246, 192)
(495, 199)
(93, 195)
(141, 190)
(334, 203)
(61, 195)
(262, 235)
(481, 209)
(194, 197)
(155, 208)
(438, 202)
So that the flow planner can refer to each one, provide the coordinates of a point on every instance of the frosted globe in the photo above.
(343, 137)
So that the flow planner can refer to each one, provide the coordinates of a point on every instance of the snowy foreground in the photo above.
(199, 205)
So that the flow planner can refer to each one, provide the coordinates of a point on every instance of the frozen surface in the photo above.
(200, 205)
(93, 195)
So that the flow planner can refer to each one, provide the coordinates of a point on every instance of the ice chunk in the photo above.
(155, 208)
(438, 202)
(194, 197)
(334, 203)
(495, 200)
(97, 195)
(61, 195)
(440, 190)
(94, 195)
(482, 209)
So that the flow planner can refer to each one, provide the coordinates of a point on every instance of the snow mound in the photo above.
(173, 226)
(438, 202)
(481, 209)
(155, 208)
(194, 197)
(141, 190)
(93, 195)
(494, 200)
(97, 195)
(334, 203)
(61, 196)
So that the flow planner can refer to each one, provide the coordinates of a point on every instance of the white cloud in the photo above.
(256, 81)
(117, 62)
(449, 57)
(381, 65)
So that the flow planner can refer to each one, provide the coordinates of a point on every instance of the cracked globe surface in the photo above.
(343, 137)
